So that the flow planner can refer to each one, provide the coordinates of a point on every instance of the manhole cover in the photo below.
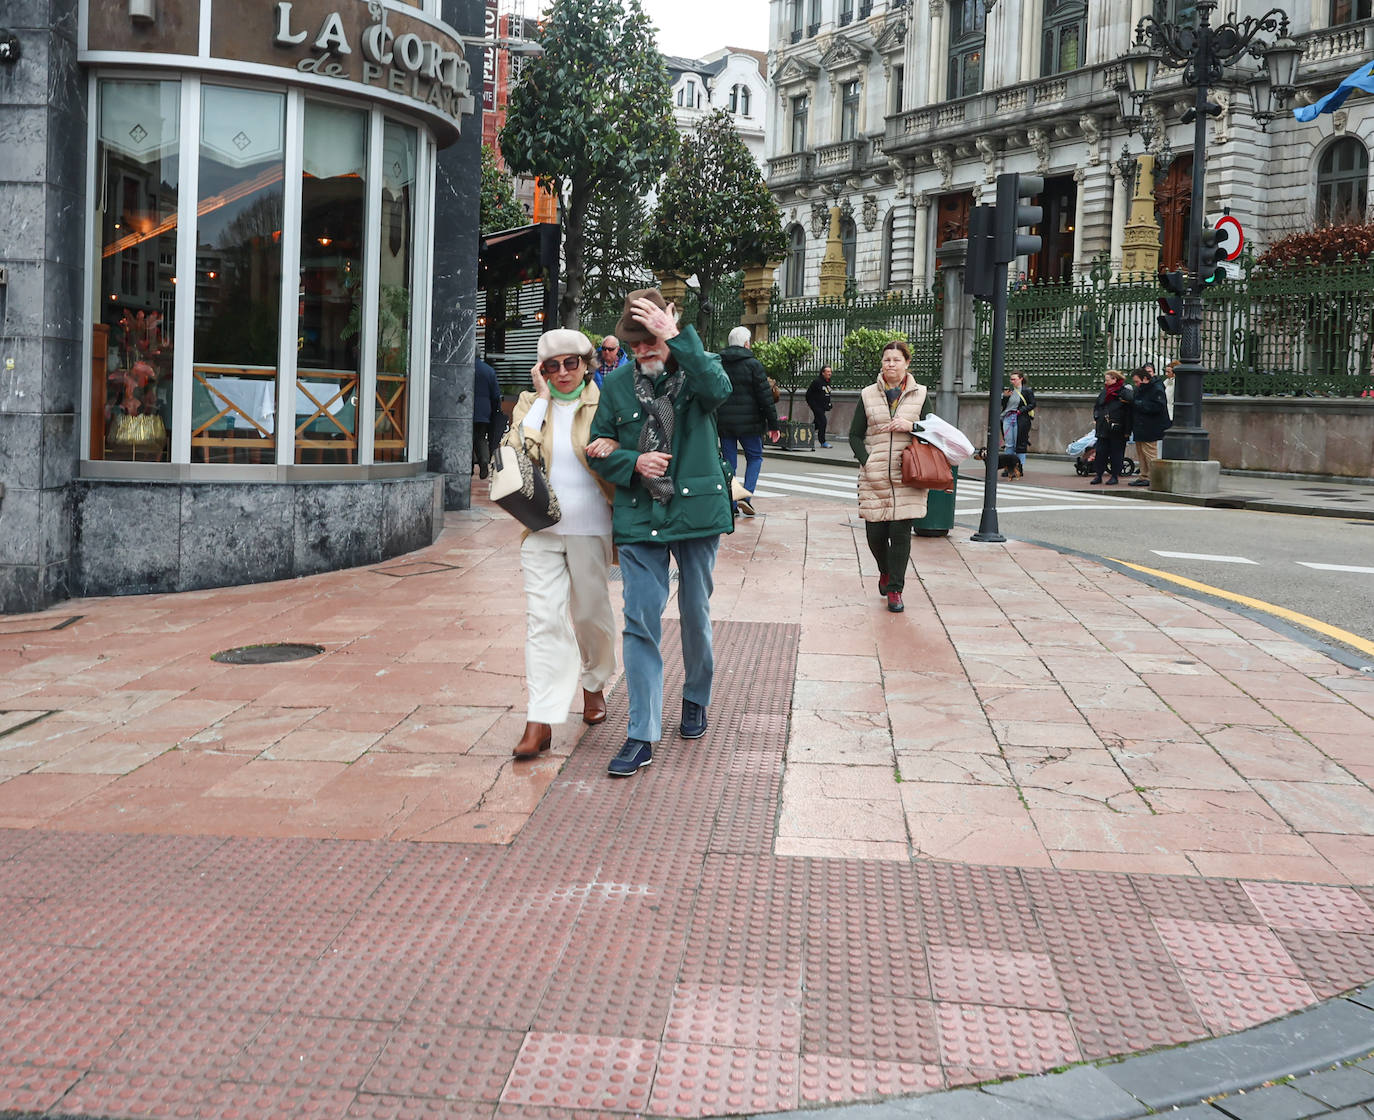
(267, 654)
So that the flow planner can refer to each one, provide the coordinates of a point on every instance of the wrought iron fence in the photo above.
(825, 323)
(1306, 331)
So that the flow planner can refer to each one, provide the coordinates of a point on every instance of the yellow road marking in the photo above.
(1364, 645)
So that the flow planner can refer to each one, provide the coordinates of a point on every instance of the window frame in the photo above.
(281, 464)
(798, 113)
(1057, 18)
(851, 98)
(794, 276)
(1357, 10)
(1332, 182)
(966, 44)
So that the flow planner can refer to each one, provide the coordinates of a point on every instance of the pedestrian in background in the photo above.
(1169, 385)
(569, 624)
(662, 452)
(488, 421)
(1025, 416)
(611, 356)
(884, 423)
(747, 413)
(1149, 419)
(1112, 417)
(818, 400)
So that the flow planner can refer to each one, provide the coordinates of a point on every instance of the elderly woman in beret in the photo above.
(569, 625)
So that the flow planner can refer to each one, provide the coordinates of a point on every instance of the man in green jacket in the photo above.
(671, 500)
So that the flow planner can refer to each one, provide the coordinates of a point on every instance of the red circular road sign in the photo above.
(1238, 236)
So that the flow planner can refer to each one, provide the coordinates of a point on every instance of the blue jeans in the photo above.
(752, 446)
(644, 575)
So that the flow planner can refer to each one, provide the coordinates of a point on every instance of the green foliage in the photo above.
(715, 214)
(861, 352)
(615, 231)
(782, 359)
(592, 113)
(500, 210)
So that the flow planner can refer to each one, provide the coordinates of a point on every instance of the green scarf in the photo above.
(553, 392)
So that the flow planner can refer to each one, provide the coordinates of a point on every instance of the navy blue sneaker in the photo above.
(633, 757)
(693, 724)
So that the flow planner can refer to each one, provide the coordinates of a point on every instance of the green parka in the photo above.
(701, 504)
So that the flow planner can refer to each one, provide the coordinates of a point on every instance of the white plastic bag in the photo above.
(944, 435)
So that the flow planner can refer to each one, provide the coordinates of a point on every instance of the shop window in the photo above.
(794, 275)
(395, 302)
(329, 304)
(849, 110)
(1065, 32)
(800, 109)
(1342, 182)
(967, 32)
(1348, 11)
(237, 286)
(138, 150)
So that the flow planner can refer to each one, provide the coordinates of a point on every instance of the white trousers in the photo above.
(569, 625)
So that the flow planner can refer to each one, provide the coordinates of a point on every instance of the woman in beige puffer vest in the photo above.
(882, 427)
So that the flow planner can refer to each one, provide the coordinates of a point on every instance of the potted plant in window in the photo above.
(131, 403)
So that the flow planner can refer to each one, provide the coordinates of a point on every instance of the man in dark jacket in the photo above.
(1149, 419)
(818, 401)
(747, 413)
(654, 436)
(488, 421)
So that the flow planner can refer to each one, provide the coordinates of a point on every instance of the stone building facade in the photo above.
(730, 78)
(903, 115)
(232, 347)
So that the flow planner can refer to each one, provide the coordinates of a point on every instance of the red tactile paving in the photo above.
(695, 1080)
(637, 948)
(582, 1072)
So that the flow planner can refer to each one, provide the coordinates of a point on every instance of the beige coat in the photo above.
(883, 496)
(581, 434)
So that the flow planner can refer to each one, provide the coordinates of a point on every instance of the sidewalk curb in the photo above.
(1301, 1046)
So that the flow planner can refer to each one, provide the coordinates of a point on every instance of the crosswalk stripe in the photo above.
(1203, 556)
(1140, 507)
(1338, 568)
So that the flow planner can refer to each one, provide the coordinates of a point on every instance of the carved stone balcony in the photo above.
(790, 170)
(839, 159)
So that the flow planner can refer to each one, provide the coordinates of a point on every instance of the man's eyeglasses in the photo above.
(610, 349)
(569, 364)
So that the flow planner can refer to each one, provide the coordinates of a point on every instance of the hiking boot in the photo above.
(894, 602)
(882, 583)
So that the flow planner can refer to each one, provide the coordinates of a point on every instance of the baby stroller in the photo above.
(1085, 447)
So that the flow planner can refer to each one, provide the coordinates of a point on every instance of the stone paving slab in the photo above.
(962, 874)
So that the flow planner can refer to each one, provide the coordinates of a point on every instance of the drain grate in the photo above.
(267, 654)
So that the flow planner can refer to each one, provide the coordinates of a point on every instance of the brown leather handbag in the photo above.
(925, 467)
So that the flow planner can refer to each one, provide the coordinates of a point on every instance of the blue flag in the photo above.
(1362, 78)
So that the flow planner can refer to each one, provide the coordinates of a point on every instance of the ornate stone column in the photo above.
(1140, 241)
(1080, 175)
(939, 49)
(920, 267)
(756, 292)
(833, 272)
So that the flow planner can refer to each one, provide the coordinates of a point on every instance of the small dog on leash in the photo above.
(1007, 463)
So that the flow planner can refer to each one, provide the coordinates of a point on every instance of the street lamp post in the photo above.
(1205, 52)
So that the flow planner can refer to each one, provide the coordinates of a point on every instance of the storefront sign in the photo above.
(431, 71)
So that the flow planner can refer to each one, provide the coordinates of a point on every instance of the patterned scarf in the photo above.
(659, 418)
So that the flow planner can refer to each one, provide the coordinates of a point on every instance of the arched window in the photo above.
(1065, 36)
(1348, 11)
(743, 101)
(849, 237)
(966, 35)
(794, 268)
(733, 103)
(1342, 182)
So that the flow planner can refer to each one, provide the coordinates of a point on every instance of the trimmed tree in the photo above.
(500, 210)
(714, 214)
(614, 233)
(592, 113)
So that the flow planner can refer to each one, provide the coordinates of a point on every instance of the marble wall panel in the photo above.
(233, 534)
(21, 389)
(62, 288)
(21, 588)
(65, 378)
(21, 527)
(408, 515)
(336, 526)
(450, 443)
(21, 454)
(127, 537)
(61, 450)
(24, 140)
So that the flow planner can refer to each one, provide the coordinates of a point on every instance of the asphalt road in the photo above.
(1264, 556)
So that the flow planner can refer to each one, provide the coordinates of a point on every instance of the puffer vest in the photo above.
(883, 496)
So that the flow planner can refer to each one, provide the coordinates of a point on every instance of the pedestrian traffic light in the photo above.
(979, 278)
(1171, 304)
(1012, 215)
(1211, 252)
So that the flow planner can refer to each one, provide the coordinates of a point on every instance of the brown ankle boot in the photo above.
(538, 737)
(593, 706)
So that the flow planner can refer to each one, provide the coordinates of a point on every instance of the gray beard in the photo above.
(653, 367)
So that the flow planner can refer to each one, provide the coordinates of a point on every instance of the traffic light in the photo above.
(1211, 252)
(979, 279)
(1171, 305)
(1012, 215)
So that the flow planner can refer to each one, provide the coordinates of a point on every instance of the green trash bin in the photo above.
(939, 518)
